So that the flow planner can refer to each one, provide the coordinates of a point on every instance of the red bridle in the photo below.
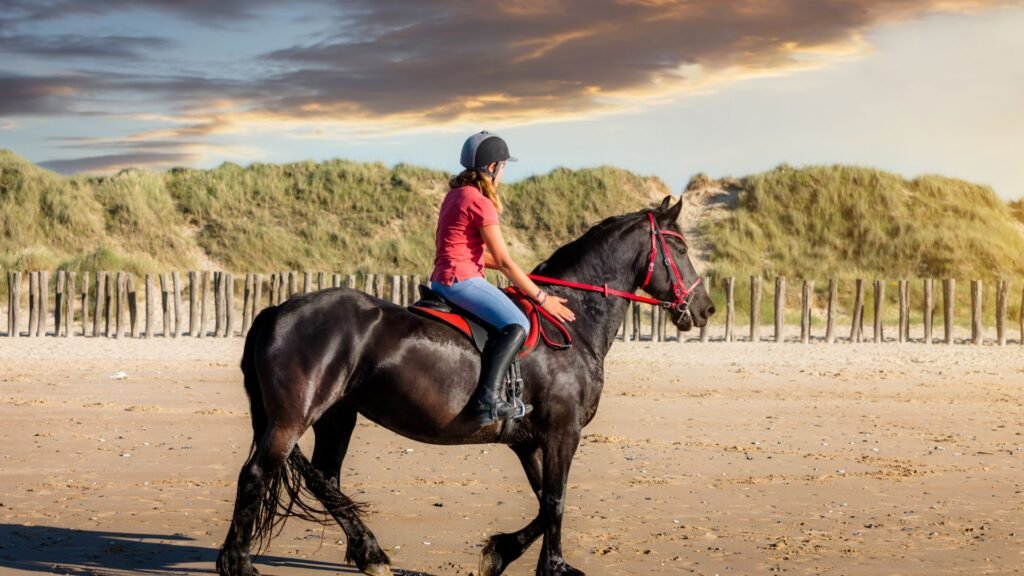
(682, 293)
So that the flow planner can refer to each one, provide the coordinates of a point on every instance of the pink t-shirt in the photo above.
(460, 245)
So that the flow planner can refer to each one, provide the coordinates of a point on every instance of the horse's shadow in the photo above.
(55, 550)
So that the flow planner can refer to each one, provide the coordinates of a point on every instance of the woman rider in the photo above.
(468, 239)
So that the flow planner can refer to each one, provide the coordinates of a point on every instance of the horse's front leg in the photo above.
(557, 457)
(502, 549)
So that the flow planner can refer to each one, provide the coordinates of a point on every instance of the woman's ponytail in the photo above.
(480, 180)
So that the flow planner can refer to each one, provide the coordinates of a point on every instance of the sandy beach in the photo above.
(703, 459)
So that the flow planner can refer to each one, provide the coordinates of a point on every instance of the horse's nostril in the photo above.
(710, 311)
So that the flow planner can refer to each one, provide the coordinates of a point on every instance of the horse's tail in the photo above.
(298, 488)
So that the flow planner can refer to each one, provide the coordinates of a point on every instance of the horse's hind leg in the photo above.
(333, 432)
(252, 504)
(502, 549)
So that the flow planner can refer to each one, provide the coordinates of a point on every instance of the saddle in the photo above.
(433, 305)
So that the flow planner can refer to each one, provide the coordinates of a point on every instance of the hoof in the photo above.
(378, 570)
(561, 569)
(235, 565)
(491, 563)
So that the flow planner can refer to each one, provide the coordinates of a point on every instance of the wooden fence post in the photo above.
(730, 309)
(321, 281)
(133, 305)
(109, 306)
(257, 298)
(705, 330)
(628, 323)
(224, 287)
(149, 306)
(976, 326)
(98, 312)
(10, 308)
(218, 304)
(350, 281)
(396, 290)
(655, 324)
(14, 312)
(176, 287)
(636, 320)
(273, 289)
(119, 290)
(414, 288)
(193, 312)
(85, 303)
(948, 299)
(780, 308)
(807, 302)
(44, 301)
(72, 295)
(929, 308)
(879, 298)
(293, 281)
(247, 293)
(368, 284)
(904, 296)
(58, 303)
(335, 280)
(33, 303)
(307, 284)
(857, 329)
(204, 312)
(755, 308)
(167, 329)
(1001, 290)
(830, 322)
(229, 304)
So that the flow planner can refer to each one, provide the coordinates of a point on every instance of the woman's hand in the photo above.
(556, 307)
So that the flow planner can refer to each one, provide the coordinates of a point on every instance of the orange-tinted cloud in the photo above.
(426, 60)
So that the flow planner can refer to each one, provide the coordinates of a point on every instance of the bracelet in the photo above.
(541, 297)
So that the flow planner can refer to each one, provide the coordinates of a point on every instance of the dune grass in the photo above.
(851, 222)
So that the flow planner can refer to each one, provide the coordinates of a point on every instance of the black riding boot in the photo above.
(498, 354)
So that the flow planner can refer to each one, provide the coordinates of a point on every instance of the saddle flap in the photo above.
(435, 306)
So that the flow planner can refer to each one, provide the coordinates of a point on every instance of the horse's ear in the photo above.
(670, 215)
(664, 204)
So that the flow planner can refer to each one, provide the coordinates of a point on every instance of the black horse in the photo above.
(321, 358)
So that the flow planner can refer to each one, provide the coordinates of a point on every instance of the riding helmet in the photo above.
(482, 149)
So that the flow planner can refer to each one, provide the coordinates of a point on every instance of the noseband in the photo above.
(682, 293)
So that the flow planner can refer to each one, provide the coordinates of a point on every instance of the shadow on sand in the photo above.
(53, 550)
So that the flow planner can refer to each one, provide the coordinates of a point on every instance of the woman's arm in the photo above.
(498, 254)
(489, 260)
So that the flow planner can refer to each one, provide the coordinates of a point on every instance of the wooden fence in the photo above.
(107, 304)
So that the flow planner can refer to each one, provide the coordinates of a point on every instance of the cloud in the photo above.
(409, 62)
(403, 65)
(113, 162)
(39, 95)
(78, 46)
(210, 13)
(426, 60)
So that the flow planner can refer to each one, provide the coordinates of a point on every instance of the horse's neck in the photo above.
(598, 318)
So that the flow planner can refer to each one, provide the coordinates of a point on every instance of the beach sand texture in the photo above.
(703, 459)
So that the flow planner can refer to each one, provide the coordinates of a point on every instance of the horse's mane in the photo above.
(598, 237)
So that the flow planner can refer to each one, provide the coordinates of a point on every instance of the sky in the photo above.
(668, 88)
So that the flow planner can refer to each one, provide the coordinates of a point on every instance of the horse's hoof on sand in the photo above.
(378, 570)
(234, 565)
(490, 561)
